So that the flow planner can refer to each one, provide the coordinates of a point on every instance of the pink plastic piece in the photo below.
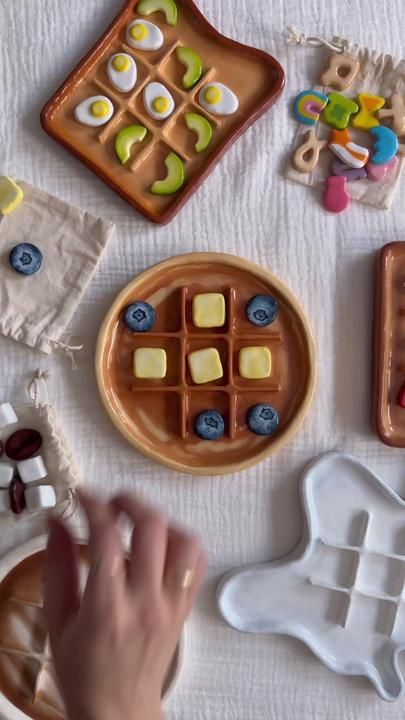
(336, 198)
(379, 173)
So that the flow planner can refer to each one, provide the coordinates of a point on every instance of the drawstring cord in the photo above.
(34, 387)
(297, 37)
(68, 349)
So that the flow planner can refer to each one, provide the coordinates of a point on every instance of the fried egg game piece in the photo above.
(346, 150)
(144, 35)
(255, 363)
(308, 106)
(11, 195)
(208, 310)
(150, 363)
(122, 72)
(385, 145)
(205, 365)
(218, 99)
(158, 101)
(366, 117)
(94, 111)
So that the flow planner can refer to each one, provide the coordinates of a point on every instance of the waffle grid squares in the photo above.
(132, 104)
(189, 338)
(387, 605)
(37, 655)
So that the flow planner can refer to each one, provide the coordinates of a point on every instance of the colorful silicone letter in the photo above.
(366, 117)
(397, 114)
(306, 156)
(346, 150)
(338, 111)
(308, 106)
(340, 169)
(336, 198)
(379, 173)
(385, 145)
(340, 71)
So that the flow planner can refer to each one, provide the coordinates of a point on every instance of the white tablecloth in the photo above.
(245, 207)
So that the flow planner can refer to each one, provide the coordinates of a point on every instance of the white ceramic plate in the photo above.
(8, 711)
(342, 591)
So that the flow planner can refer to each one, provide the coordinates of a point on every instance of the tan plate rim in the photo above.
(8, 562)
(242, 264)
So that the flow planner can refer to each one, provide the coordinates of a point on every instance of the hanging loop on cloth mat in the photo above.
(297, 37)
(34, 388)
(68, 349)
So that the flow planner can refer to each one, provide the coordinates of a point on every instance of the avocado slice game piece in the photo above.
(193, 64)
(126, 138)
(202, 127)
(168, 7)
(175, 178)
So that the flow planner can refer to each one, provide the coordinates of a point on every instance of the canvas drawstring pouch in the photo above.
(36, 309)
(62, 472)
(380, 74)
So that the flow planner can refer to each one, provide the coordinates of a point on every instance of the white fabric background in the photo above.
(245, 207)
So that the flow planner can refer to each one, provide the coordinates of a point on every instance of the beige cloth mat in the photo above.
(36, 309)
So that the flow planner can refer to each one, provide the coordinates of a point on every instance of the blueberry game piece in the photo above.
(261, 310)
(262, 419)
(25, 259)
(140, 316)
(209, 425)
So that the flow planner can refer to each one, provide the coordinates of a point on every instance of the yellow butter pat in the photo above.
(209, 310)
(10, 195)
(254, 362)
(150, 363)
(205, 365)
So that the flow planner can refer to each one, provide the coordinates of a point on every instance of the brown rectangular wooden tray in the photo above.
(389, 344)
(255, 77)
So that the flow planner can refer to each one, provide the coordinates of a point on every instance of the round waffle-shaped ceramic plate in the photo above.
(28, 687)
(158, 416)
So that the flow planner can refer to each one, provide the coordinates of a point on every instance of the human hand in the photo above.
(112, 647)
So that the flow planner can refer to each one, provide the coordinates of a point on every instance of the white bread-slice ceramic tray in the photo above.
(25, 657)
(341, 591)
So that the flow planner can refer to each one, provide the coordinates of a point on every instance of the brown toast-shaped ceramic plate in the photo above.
(158, 416)
(389, 345)
(28, 685)
(253, 76)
